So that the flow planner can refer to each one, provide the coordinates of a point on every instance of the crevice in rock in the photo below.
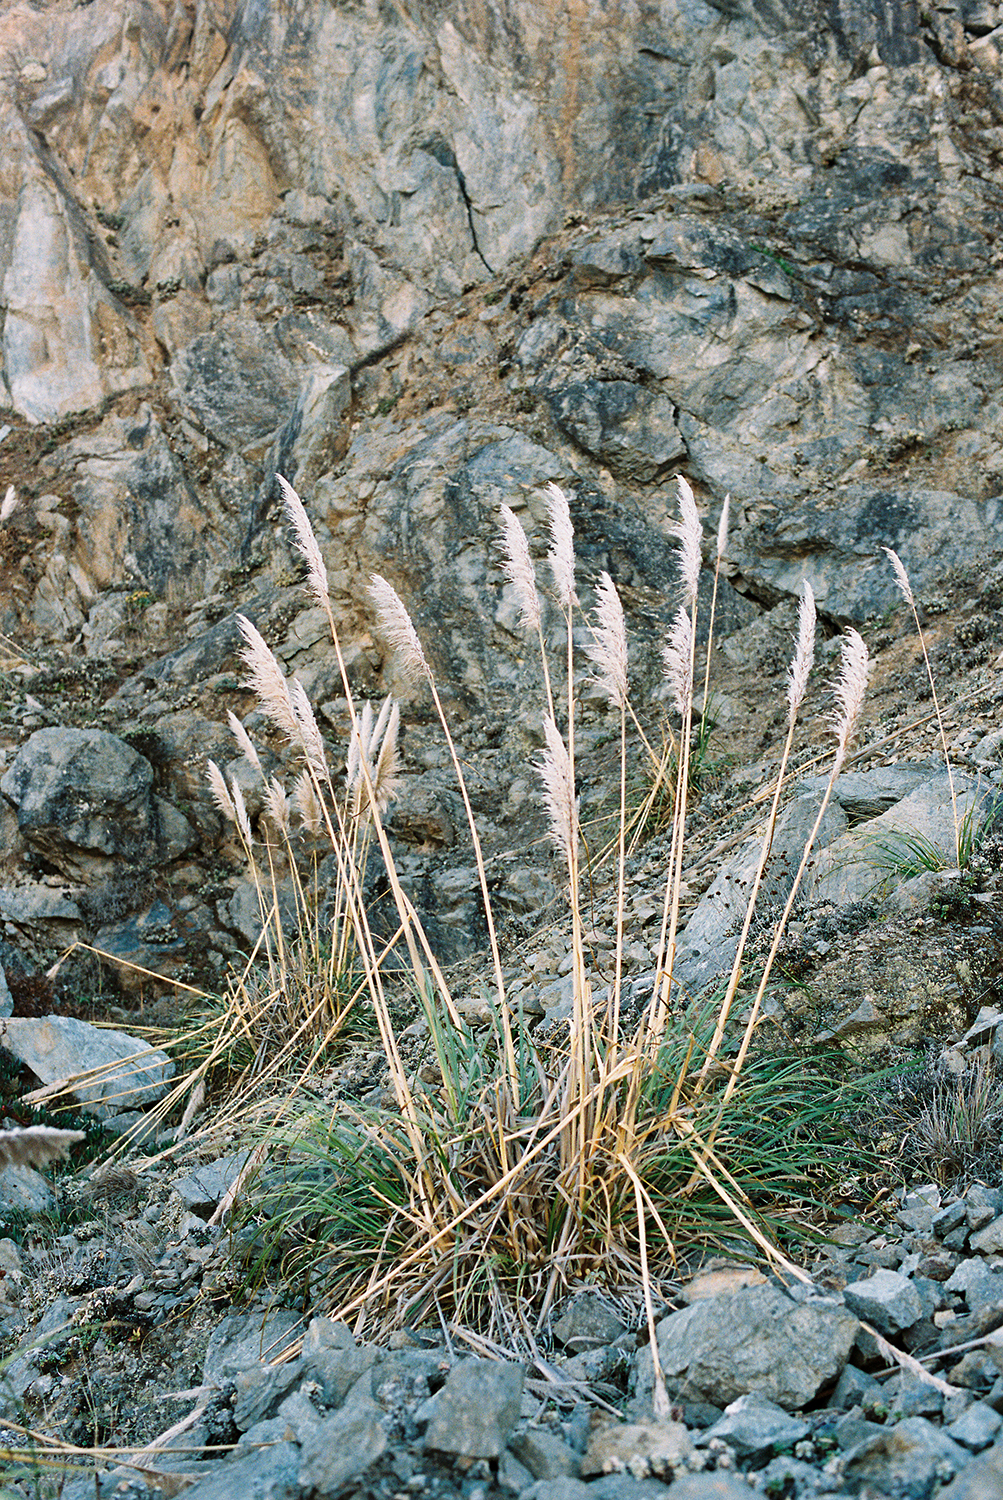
(446, 157)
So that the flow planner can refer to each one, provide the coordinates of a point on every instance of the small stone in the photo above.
(476, 1409)
(544, 1454)
(755, 1427)
(887, 1300)
(989, 1241)
(949, 1217)
(341, 1447)
(641, 1448)
(982, 1205)
(977, 1427)
(906, 1458)
(854, 1388)
(587, 1323)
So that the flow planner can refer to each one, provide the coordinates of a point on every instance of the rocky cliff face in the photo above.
(421, 259)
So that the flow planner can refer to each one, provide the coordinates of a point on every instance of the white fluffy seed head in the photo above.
(722, 527)
(277, 804)
(519, 568)
(399, 633)
(386, 782)
(306, 542)
(220, 794)
(901, 576)
(310, 739)
(266, 681)
(677, 655)
(558, 791)
(804, 652)
(689, 533)
(562, 547)
(306, 799)
(850, 689)
(240, 812)
(608, 646)
(9, 505)
(243, 741)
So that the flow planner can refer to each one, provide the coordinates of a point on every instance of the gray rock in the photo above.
(855, 866)
(259, 1390)
(6, 1000)
(476, 1409)
(544, 1454)
(755, 1427)
(268, 1473)
(342, 1447)
(123, 1072)
(855, 1388)
(82, 790)
(587, 1321)
(980, 1479)
(757, 1339)
(979, 1286)
(338, 1370)
(989, 1241)
(888, 1300)
(201, 1190)
(243, 1341)
(23, 1191)
(708, 1487)
(977, 1427)
(626, 427)
(908, 1456)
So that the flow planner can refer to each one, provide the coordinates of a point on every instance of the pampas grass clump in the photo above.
(508, 1169)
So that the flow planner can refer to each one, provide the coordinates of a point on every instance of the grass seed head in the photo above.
(689, 533)
(722, 527)
(558, 790)
(804, 653)
(306, 799)
(519, 568)
(677, 655)
(265, 679)
(562, 547)
(850, 689)
(220, 794)
(306, 542)
(399, 633)
(608, 647)
(243, 739)
(901, 576)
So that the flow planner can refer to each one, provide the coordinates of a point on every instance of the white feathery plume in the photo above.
(306, 542)
(9, 505)
(398, 631)
(220, 795)
(35, 1145)
(278, 804)
(519, 568)
(562, 547)
(850, 689)
(558, 791)
(689, 533)
(387, 710)
(677, 656)
(804, 653)
(901, 576)
(243, 739)
(240, 811)
(358, 744)
(386, 782)
(608, 647)
(309, 734)
(266, 681)
(722, 527)
(306, 799)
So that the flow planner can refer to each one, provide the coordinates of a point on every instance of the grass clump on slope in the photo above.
(526, 1164)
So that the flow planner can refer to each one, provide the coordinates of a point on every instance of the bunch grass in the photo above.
(528, 1163)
